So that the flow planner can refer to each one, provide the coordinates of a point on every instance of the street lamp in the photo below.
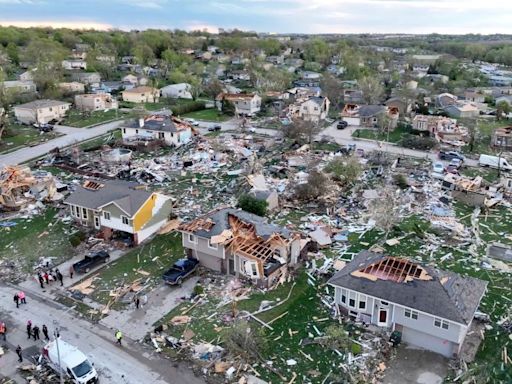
(56, 333)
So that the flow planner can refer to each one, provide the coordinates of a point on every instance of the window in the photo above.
(191, 238)
(212, 246)
(343, 298)
(384, 303)
(351, 303)
(106, 215)
(362, 305)
(125, 220)
(411, 314)
(439, 323)
(84, 213)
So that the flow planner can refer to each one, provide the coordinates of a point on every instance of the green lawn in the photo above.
(19, 136)
(373, 134)
(80, 119)
(211, 114)
(153, 257)
(41, 235)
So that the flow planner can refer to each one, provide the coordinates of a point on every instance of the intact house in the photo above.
(502, 138)
(312, 109)
(239, 243)
(72, 87)
(245, 104)
(177, 91)
(95, 102)
(70, 64)
(141, 95)
(119, 209)
(370, 116)
(462, 110)
(432, 308)
(19, 87)
(41, 111)
(91, 79)
(168, 129)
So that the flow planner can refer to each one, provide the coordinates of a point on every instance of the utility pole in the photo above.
(56, 333)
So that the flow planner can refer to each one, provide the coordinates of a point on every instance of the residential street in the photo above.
(71, 136)
(134, 362)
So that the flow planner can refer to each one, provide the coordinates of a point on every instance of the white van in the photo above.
(73, 363)
(494, 162)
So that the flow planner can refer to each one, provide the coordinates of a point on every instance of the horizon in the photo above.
(411, 17)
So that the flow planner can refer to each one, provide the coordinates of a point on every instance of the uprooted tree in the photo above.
(345, 171)
(243, 340)
(385, 210)
(315, 187)
(302, 131)
(253, 205)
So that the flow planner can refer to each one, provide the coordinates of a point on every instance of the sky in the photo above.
(274, 16)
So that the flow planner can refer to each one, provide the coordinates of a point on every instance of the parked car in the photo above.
(90, 261)
(216, 127)
(457, 163)
(342, 125)
(44, 127)
(192, 122)
(438, 167)
(180, 270)
(453, 170)
(450, 155)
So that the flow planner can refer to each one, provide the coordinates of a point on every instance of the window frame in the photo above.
(443, 324)
(411, 314)
(123, 218)
(106, 215)
(192, 238)
(212, 246)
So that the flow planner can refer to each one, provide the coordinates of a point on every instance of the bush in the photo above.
(198, 289)
(182, 109)
(401, 181)
(355, 349)
(418, 142)
(76, 238)
(253, 205)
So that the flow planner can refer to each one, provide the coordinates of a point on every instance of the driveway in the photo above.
(72, 136)
(416, 366)
(136, 363)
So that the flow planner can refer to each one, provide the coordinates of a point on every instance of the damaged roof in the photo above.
(122, 193)
(163, 123)
(220, 221)
(446, 294)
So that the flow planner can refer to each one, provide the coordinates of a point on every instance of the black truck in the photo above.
(181, 269)
(90, 261)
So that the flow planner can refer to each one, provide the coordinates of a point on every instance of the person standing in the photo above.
(60, 277)
(3, 330)
(36, 332)
(46, 278)
(29, 329)
(71, 271)
(22, 297)
(18, 352)
(17, 300)
(137, 301)
(41, 279)
(45, 332)
(119, 336)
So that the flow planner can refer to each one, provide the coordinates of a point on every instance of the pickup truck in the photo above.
(90, 261)
(180, 270)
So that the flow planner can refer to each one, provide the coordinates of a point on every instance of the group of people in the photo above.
(33, 331)
(20, 298)
(49, 276)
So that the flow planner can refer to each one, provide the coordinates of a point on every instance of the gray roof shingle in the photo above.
(448, 295)
(114, 191)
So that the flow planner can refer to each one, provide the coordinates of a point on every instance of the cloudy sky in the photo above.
(302, 16)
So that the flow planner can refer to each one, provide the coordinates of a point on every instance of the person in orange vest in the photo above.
(3, 330)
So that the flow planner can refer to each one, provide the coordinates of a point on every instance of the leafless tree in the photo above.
(385, 210)
(302, 131)
(372, 89)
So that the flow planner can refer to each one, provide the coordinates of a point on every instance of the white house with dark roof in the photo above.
(312, 109)
(169, 129)
(433, 309)
(115, 206)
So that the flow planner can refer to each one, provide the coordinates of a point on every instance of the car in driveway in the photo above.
(90, 261)
(450, 155)
(457, 163)
(438, 167)
(341, 125)
(180, 270)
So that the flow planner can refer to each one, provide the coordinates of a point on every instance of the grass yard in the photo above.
(81, 120)
(101, 140)
(211, 114)
(373, 134)
(31, 238)
(154, 258)
(23, 135)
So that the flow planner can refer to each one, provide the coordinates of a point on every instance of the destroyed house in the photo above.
(369, 116)
(502, 138)
(119, 209)
(240, 243)
(171, 130)
(432, 308)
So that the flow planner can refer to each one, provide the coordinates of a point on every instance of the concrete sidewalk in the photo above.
(136, 323)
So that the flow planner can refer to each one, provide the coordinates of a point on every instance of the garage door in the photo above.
(210, 262)
(423, 340)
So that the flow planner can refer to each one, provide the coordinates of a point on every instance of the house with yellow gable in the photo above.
(119, 209)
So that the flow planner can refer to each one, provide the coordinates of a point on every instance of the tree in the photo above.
(302, 131)
(253, 205)
(242, 340)
(315, 187)
(143, 54)
(385, 210)
(502, 110)
(274, 79)
(5, 104)
(372, 89)
(331, 88)
(317, 50)
(213, 88)
(228, 108)
(345, 170)
(173, 60)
